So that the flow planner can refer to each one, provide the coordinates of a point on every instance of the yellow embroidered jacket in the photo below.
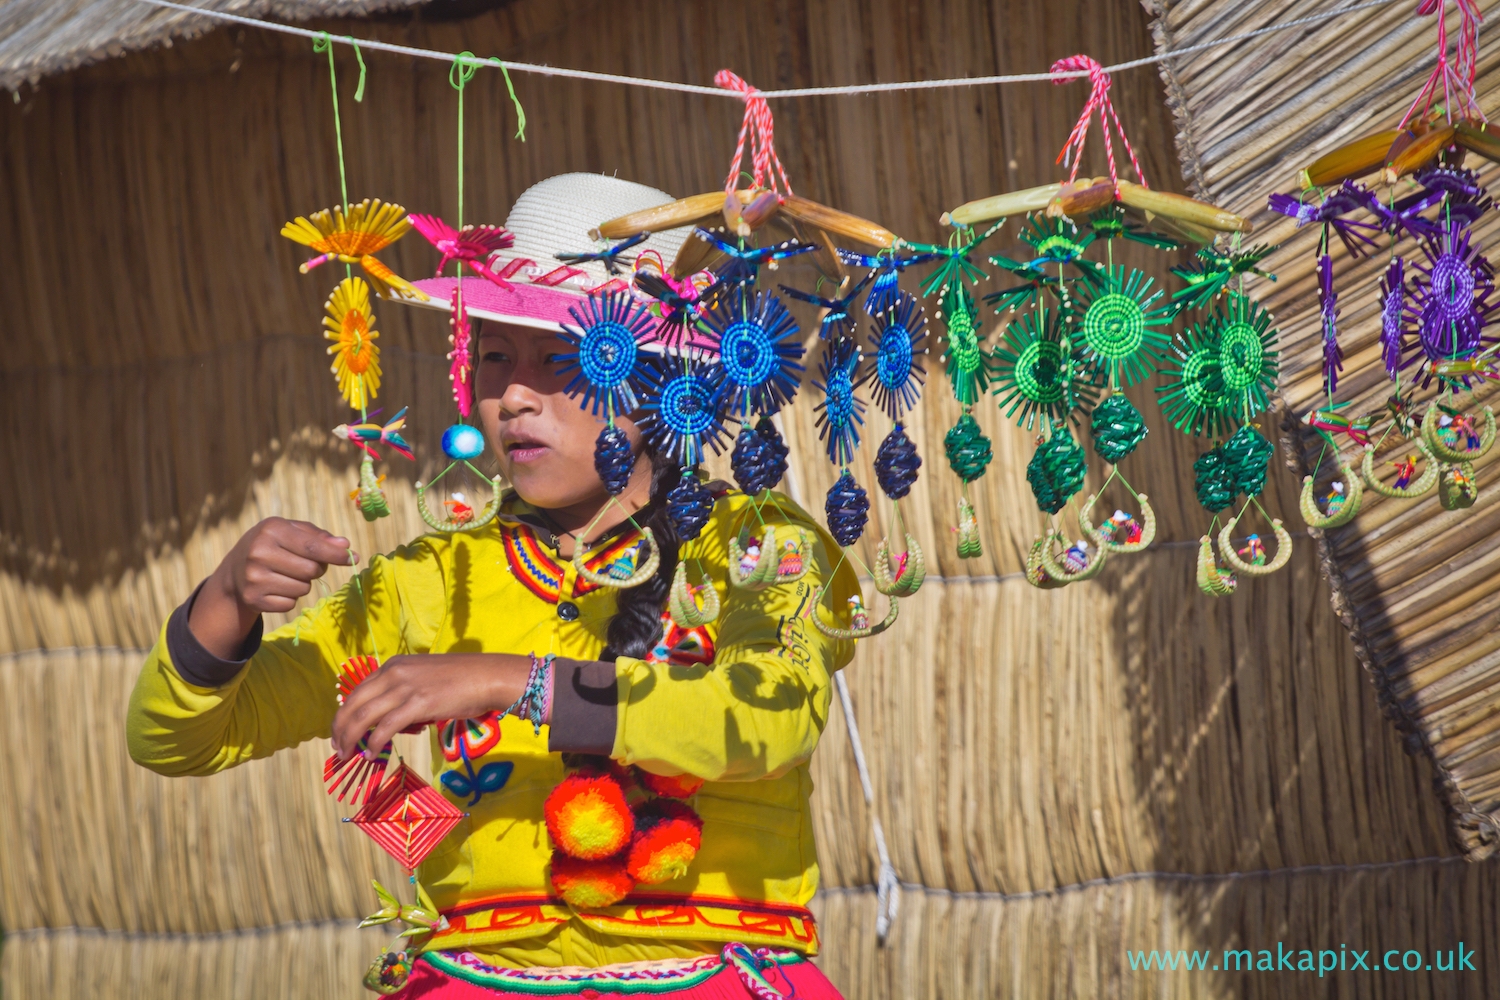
(747, 722)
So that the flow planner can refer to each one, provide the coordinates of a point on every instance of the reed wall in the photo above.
(1414, 584)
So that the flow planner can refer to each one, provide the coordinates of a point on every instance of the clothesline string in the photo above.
(689, 88)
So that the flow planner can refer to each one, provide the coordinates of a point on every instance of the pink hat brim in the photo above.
(536, 306)
(522, 303)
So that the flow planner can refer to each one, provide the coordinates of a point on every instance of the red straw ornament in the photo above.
(761, 131)
(1098, 100)
(1457, 74)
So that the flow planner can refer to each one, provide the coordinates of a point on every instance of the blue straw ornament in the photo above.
(894, 375)
(759, 459)
(614, 459)
(848, 509)
(896, 464)
(841, 413)
(758, 348)
(683, 409)
(689, 506)
(885, 267)
(610, 367)
(743, 264)
(838, 321)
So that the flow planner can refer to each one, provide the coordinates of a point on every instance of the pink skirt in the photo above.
(737, 973)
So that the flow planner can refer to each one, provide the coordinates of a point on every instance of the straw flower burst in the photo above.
(368, 228)
(350, 324)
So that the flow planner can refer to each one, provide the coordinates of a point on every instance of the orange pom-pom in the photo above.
(667, 837)
(680, 787)
(588, 817)
(589, 885)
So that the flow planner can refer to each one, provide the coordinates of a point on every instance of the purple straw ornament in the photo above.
(1333, 356)
(1450, 297)
(1331, 211)
(1392, 316)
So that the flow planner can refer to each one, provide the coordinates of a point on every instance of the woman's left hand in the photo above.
(416, 690)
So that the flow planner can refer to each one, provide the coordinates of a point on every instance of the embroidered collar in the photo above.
(534, 564)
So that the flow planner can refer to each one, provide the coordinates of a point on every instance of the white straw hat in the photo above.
(551, 217)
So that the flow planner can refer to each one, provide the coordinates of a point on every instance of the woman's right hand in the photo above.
(270, 567)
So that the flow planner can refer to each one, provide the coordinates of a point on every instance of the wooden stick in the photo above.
(1360, 157)
(683, 212)
(1082, 200)
(1176, 206)
(841, 223)
(1416, 154)
(1479, 138)
(1001, 206)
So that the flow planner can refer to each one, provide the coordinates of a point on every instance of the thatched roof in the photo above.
(38, 37)
(1415, 584)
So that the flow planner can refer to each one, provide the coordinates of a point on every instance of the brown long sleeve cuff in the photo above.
(197, 665)
(584, 707)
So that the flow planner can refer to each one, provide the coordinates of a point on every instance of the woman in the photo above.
(459, 621)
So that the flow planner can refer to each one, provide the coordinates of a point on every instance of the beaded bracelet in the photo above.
(535, 703)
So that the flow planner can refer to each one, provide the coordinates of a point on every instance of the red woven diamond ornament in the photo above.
(407, 818)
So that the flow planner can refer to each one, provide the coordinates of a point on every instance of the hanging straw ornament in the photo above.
(1245, 460)
(685, 605)
(353, 236)
(900, 567)
(1117, 428)
(614, 459)
(968, 376)
(759, 352)
(1458, 441)
(1340, 506)
(895, 375)
(350, 324)
(839, 321)
(759, 458)
(1193, 396)
(1247, 361)
(847, 508)
(860, 627)
(841, 412)
(1056, 471)
(1038, 373)
(1449, 302)
(471, 247)
(1456, 487)
(609, 367)
(1213, 580)
(682, 416)
(753, 565)
(1393, 316)
(969, 454)
(1119, 322)
(885, 272)
(1404, 488)
(1211, 272)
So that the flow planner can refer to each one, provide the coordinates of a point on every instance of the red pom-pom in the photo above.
(590, 885)
(667, 837)
(680, 787)
(588, 817)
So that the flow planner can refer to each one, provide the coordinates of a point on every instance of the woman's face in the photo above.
(543, 439)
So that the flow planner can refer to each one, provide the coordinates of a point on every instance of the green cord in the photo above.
(325, 44)
(520, 111)
(359, 92)
(459, 75)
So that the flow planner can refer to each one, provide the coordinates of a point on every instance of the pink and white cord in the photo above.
(1456, 74)
(1098, 100)
(760, 129)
